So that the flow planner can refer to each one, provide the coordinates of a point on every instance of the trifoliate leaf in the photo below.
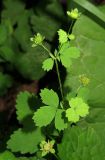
(49, 97)
(25, 142)
(48, 64)
(59, 120)
(63, 37)
(72, 115)
(23, 108)
(44, 116)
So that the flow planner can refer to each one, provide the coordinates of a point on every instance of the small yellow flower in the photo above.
(74, 14)
(47, 147)
(84, 80)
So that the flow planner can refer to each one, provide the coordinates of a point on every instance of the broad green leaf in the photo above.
(48, 64)
(91, 8)
(66, 61)
(25, 107)
(25, 142)
(59, 120)
(44, 116)
(83, 92)
(91, 42)
(49, 97)
(78, 143)
(63, 37)
(3, 34)
(7, 155)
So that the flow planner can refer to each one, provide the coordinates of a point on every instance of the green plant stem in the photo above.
(59, 79)
(57, 69)
(50, 54)
(70, 26)
(56, 156)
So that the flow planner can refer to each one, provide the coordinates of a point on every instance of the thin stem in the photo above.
(59, 79)
(50, 54)
(56, 156)
(70, 26)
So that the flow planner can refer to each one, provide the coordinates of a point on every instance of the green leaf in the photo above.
(7, 54)
(63, 37)
(7, 155)
(24, 109)
(91, 8)
(17, 9)
(91, 62)
(48, 64)
(44, 116)
(6, 82)
(84, 93)
(29, 64)
(49, 97)
(3, 34)
(72, 115)
(59, 120)
(67, 53)
(80, 144)
(25, 142)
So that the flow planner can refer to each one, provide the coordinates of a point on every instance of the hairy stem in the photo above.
(72, 22)
(50, 54)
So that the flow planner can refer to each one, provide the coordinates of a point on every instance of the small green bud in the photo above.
(37, 39)
(71, 36)
(74, 14)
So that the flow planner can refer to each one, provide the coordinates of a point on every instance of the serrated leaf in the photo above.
(23, 108)
(48, 64)
(66, 61)
(25, 142)
(7, 155)
(63, 37)
(44, 116)
(49, 97)
(59, 120)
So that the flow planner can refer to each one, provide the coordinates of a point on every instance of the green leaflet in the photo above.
(7, 155)
(48, 64)
(63, 37)
(49, 97)
(67, 53)
(25, 142)
(44, 116)
(59, 120)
